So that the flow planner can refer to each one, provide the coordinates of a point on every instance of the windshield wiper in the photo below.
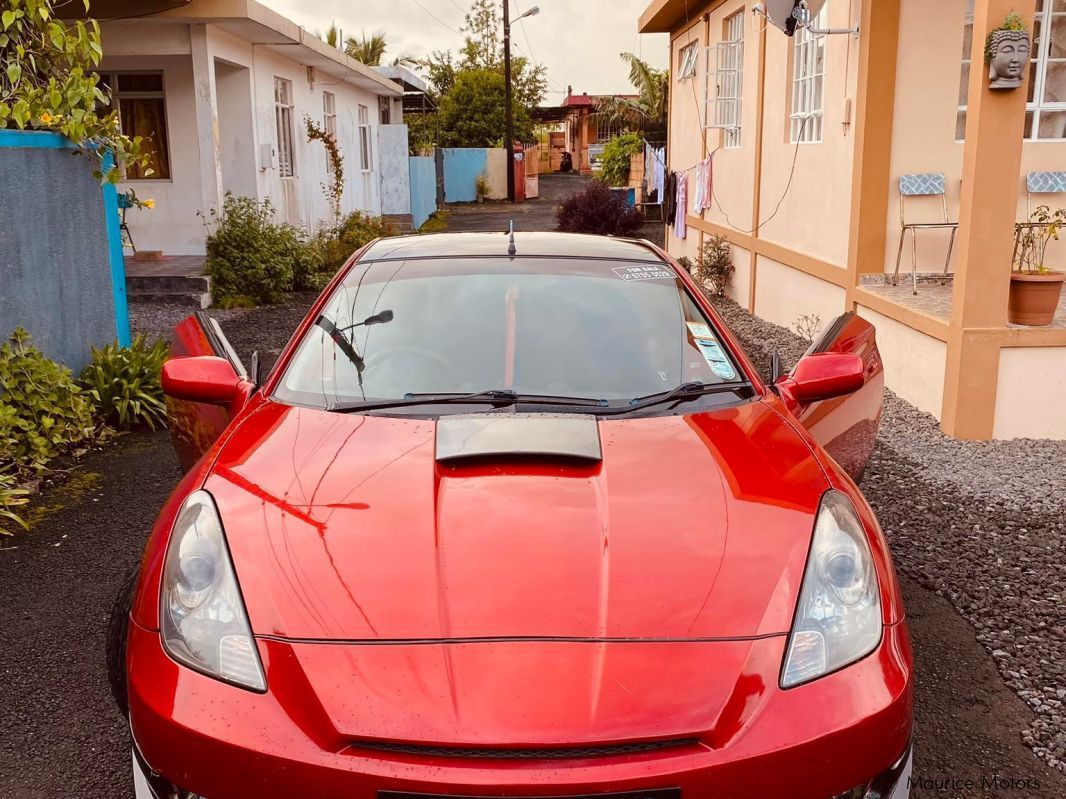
(683, 392)
(500, 397)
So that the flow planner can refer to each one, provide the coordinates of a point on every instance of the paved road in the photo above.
(60, 735)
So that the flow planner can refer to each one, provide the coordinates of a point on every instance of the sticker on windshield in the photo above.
(712, 351)
(643, 273)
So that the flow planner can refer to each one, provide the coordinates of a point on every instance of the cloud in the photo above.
(577, 40)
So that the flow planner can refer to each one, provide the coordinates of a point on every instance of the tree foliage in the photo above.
(616, 158)
(469, 85)
(648, 111)
(48, 82)
(369, 51)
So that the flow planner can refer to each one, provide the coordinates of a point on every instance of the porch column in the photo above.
(872, 161)
(205, 94)
(992, 157)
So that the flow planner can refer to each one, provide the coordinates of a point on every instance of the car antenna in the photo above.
(511, 250)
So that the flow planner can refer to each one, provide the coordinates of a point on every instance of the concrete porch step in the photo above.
(190, 299)
(168, 283)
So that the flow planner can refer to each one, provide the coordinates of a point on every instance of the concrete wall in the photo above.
(394, 172)
(423, 189)
(61, 274)
(914, 362)
(462, 165)
(1032, 381)
(220, 111)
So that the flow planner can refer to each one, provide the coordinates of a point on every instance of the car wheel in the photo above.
(118, 627)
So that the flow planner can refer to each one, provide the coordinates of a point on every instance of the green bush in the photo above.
(334, 246)
(43, 412)
(11, 496)
(614, 162)
(125, 386)
(251, 258)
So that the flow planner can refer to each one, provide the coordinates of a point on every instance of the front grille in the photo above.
(540, 753)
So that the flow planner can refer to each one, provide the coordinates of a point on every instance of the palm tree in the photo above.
(646, 112)
(369, 51)
(333, 36)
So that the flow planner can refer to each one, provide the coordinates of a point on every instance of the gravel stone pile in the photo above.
(982, 524)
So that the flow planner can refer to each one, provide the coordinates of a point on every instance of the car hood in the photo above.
(346, 528)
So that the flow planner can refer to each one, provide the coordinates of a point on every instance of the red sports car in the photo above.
(517, 517)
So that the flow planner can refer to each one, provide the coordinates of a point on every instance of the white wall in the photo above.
(1030, 381)
(915, 364)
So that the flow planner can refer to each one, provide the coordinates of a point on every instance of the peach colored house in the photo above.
(810, 135)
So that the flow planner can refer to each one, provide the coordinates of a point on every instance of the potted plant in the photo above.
(481, 187)
(1035, 289)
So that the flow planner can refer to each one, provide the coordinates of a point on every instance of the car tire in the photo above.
(118, 628)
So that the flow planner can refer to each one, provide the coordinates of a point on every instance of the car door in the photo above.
(846, 427)
(195, 426)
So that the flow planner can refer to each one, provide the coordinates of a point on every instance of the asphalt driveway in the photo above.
(62, 736)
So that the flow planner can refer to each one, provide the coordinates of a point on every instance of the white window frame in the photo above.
(722, 111)
(283, 114)
(1047, 11)
(366, 152)
(688, 61)
(329, 113)
(808, 81)
(385, 110)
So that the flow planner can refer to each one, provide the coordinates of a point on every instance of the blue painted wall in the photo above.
(462, 165)
(62, 276)
(423, 189)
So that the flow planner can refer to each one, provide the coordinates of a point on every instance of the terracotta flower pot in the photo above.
(1034, 298)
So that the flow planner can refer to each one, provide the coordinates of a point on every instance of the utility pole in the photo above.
(508, 133)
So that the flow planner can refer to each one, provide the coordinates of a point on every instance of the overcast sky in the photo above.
(577, 40)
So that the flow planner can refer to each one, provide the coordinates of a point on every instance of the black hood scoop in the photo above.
(533, 434)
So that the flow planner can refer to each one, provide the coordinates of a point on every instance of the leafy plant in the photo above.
(333, 246)
(807, 326)
(48, 82)
(124, 383)
(1044, 225)
(11, 496)
(369, 51)
(648, 111)
(251, 258)
(598, 210)
(685, 263)
(43, 412)
(614, 162)
(714, 265)
(335, 188)
(481, 185)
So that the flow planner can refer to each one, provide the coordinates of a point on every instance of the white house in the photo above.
(224, 87)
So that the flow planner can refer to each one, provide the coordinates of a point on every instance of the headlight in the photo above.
(838, 619)
(203, 622)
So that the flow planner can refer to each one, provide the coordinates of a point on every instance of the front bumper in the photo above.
(810, 742)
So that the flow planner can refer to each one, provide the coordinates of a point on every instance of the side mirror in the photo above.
(204, 378)
(825, 375)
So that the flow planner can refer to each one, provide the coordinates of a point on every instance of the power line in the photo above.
(441, 21)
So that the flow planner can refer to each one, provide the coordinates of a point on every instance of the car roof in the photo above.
(527, 244)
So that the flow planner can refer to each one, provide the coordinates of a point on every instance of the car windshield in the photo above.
(567, 328)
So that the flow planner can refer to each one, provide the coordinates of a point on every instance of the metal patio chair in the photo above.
(1036, 183)
(932, 184)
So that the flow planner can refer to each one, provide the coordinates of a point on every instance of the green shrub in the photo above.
(10, 497)
(334, 246)
(250, 256)
(597, 209)
(614, 162)
(125, 386)
(714, 266)
(43, 412)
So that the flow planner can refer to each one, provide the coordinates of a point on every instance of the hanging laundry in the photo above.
(680, 230)
(701, 190)
(669, 196)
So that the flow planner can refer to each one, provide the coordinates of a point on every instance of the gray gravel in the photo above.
(982, 524)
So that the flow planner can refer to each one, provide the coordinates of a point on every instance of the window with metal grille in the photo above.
(283, 112)
(329, 113)
(725, 89)
(687, 61)
(365, 154)
(1045, 111)
(385, 109)
(140, 101)
(808, 80)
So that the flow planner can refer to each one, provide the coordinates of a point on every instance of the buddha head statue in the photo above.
(1007, 54)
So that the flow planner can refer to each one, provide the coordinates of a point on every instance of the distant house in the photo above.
(223, 88)
(584, 133)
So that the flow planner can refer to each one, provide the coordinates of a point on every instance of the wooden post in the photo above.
(991, 173)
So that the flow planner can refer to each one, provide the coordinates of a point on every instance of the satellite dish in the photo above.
(780, 12)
